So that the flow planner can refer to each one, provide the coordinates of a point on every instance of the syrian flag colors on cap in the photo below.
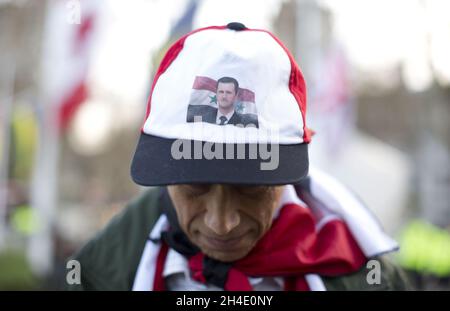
(204, 93)
(224, 85)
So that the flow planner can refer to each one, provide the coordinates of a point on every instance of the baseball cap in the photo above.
(227, 105)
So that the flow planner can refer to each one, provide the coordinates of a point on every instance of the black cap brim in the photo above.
(154, 165)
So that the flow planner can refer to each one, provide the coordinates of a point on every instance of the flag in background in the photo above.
(68, 45)
(184, 23)
(182, 26)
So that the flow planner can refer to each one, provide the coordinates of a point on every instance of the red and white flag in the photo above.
(68, 37)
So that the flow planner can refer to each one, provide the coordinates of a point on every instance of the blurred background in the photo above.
(74, 80)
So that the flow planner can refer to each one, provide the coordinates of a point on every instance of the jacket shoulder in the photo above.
(109, 261)
(379, 274)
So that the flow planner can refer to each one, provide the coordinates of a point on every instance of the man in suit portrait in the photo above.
(226, 96)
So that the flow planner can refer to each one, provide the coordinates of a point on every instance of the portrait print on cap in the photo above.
(222, 102)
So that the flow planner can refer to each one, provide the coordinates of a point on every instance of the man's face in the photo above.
(226, 95)
(225, 221)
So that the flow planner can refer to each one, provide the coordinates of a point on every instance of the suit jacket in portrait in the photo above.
(209, 115)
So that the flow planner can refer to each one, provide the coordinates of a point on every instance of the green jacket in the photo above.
(110, 260)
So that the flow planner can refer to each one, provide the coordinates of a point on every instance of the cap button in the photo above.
(236, 26)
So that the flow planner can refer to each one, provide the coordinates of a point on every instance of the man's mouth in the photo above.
(216, 243)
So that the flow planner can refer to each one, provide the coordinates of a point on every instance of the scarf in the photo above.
(291, 249)
(340, 219)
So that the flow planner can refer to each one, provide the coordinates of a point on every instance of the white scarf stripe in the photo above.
(145, 274)
(315, 283)
(364, 227)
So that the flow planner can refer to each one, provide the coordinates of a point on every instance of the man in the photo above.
(228, 222)
(225, 113)
(226, 95)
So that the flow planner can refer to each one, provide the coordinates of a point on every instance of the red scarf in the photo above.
(290, 249)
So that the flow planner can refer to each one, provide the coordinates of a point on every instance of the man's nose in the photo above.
(221, 217)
